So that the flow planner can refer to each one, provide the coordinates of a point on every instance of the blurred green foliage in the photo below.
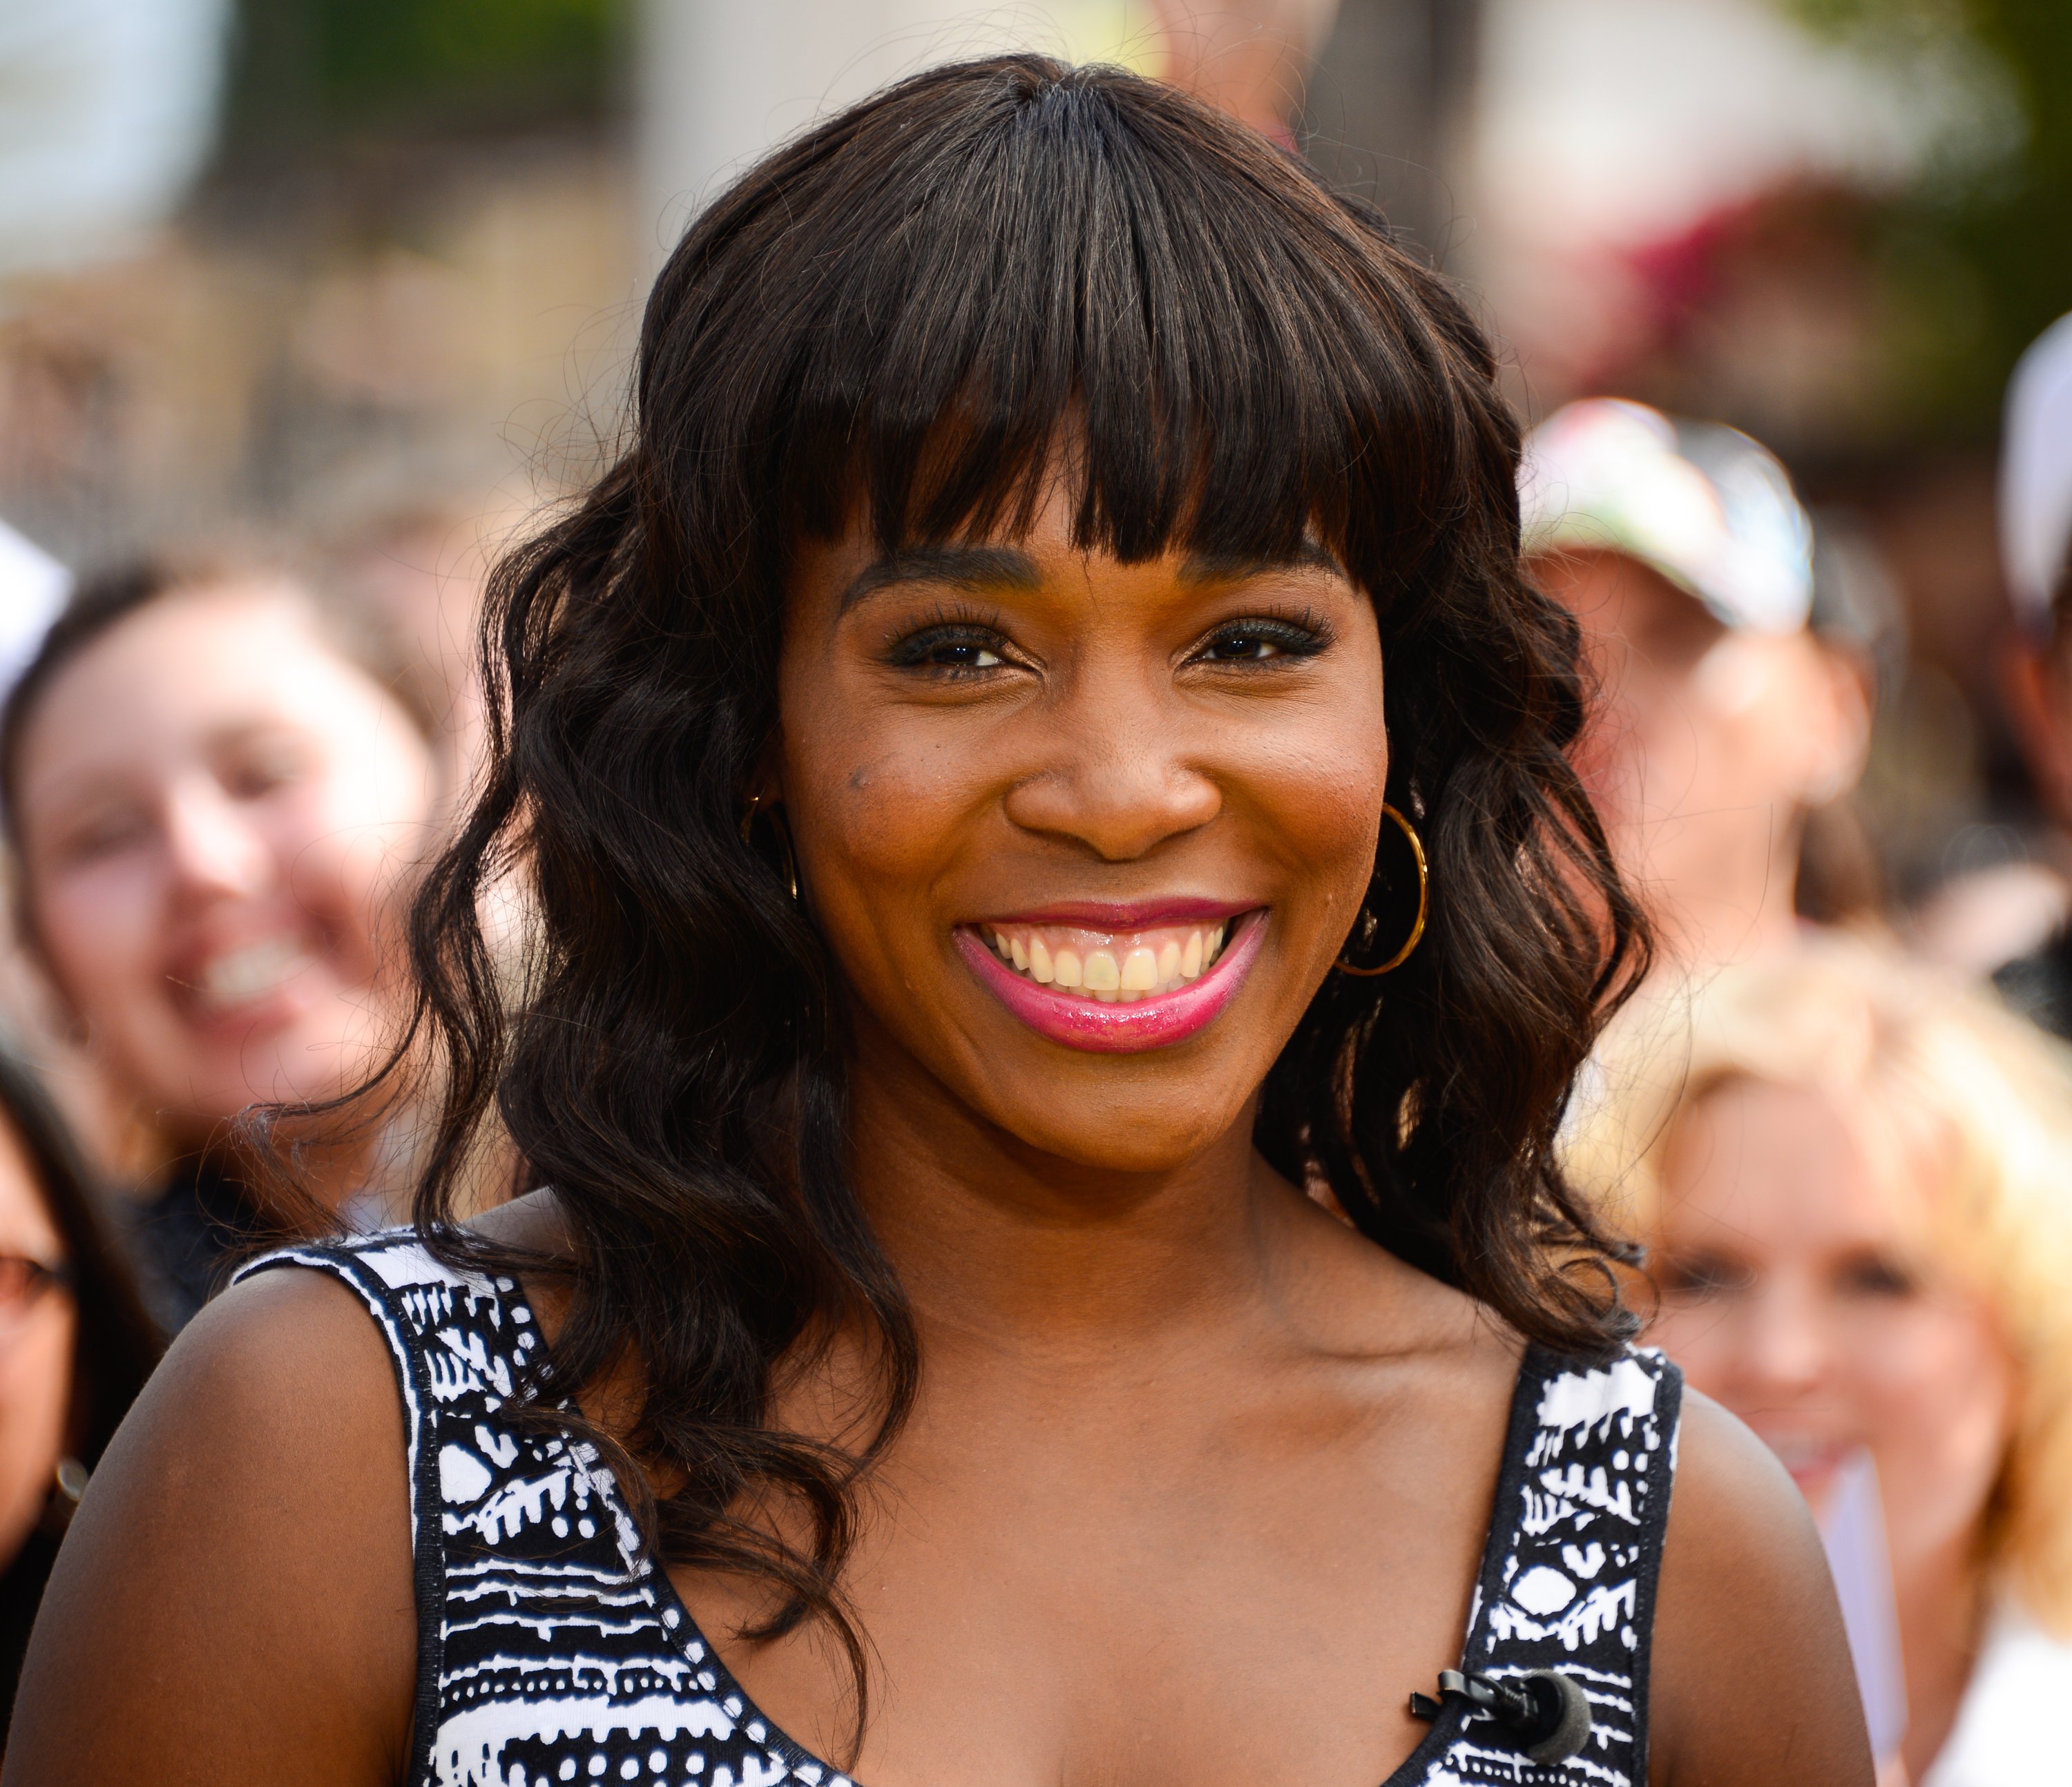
(1977, 261)
(309, 71)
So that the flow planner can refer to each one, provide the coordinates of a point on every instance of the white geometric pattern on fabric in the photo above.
(551, 1650)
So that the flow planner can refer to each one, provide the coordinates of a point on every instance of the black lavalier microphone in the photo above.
(1544, 1712)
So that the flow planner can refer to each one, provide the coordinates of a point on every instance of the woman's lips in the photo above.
(256, 981)
(1139, 999)
(1812, 1459)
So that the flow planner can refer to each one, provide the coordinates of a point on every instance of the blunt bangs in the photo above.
(1030, 280)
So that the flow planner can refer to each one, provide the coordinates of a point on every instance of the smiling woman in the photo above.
(1064, 557)
(214, 785)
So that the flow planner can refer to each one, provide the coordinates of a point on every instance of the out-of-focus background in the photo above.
(344, 268)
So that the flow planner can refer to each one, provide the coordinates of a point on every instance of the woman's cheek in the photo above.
(883, 818)
(347, 863)
(1941, 1387)
(102, 935)
(1324, 806)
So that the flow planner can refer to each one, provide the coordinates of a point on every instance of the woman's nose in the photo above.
(1783, 1342)
(1118, 781)
(215, 850)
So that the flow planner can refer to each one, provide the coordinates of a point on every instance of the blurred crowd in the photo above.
(1848, 1161)
(1836, 1116)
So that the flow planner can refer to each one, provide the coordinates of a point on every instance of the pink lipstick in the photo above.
(1142, 984)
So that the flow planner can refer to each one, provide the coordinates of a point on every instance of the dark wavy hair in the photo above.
(908, 319)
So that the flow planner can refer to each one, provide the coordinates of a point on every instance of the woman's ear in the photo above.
(1837, 720)
(766, 777)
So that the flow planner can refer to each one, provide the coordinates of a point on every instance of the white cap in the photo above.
(1707, 507)
(33, 588)
(2036, 474)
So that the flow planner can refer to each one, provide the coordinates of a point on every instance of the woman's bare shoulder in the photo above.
(235, 1600)
(1752, 1680)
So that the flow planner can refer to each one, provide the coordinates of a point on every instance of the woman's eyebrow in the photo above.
(1236, 567)
(966, 567)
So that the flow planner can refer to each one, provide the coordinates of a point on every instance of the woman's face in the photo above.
(215, 807)
(1706, 743)
(36, 1337)
(1800, 1290)
(1084, 836)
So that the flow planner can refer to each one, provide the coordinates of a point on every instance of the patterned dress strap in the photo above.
(1569, 1581)
(435, 1320)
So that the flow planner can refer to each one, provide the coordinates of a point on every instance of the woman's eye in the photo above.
(1701, 1275)
(249, 777)
(1874, 1276)
(950, 652)
(1259, 641)
(103, 835)
(963, 656)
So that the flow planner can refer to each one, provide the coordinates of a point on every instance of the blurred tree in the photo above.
(309, 71)
(1977, 259)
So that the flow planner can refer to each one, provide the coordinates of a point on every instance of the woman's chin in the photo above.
(1816, 1465)
(1124, 1139)
(291, 1063)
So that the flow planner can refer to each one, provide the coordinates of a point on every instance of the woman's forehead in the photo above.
(189, 666)
(1802, 1162)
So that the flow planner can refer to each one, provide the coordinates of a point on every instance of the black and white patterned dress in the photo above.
(551, 1651)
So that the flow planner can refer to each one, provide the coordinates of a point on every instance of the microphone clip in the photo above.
(1544, 1712)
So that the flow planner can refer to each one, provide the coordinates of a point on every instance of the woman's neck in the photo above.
(1942, 1610)
(994, 1242)
(328, 1170)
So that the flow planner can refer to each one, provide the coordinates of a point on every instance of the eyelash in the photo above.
(1294, 635)
(950, 628)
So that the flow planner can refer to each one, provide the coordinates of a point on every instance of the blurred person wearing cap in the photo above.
(2013, 922)
(1728, 725)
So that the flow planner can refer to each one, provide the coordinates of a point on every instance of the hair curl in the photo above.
(910, 317)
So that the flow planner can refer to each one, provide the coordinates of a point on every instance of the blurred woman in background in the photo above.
(75, 1349)
(215, 785)
(1859, 1207)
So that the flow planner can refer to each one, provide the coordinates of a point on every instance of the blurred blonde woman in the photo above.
(1858, 1205)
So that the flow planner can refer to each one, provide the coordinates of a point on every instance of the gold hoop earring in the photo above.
(783, 841)
(1424, 899)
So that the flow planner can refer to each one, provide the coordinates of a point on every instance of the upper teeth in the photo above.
(1107, 967)
(240, 976)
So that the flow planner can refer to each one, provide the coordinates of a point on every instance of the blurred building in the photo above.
(717, 84)
(401, 275)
